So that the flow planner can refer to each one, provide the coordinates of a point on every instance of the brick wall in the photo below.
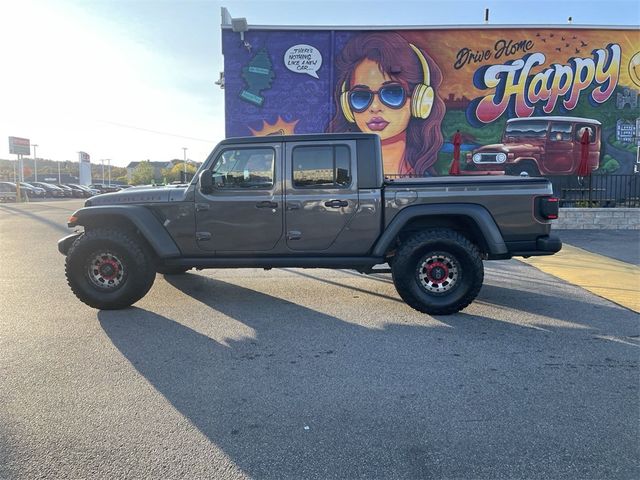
(598, 219)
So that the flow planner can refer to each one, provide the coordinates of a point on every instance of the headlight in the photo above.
(477, 157)
(501, 157)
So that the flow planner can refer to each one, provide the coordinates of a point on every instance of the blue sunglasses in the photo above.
(392, 95)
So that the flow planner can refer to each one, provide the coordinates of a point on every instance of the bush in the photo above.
(608, 165)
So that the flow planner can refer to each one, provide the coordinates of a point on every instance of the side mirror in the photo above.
(206, 181)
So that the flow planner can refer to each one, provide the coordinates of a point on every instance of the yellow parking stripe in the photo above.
(608, 278)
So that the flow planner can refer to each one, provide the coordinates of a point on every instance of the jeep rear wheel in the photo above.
(438, 271)
(109, 269)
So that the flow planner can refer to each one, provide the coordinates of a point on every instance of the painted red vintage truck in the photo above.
(539, 146)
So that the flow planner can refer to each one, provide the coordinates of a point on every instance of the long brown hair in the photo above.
(391, 50)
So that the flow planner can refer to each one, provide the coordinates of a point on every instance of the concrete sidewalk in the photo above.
(604, 262)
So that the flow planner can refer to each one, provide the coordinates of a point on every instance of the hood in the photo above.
(493, 148)
(141, 195)
(509, 148)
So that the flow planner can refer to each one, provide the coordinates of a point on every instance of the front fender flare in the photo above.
(148, 225)
(477, 213)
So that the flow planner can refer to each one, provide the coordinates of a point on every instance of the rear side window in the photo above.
(326, 166)
(580, 130)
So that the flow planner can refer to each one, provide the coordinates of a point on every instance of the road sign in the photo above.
(19, 146)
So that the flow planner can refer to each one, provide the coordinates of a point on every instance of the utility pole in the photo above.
(20, 178)
(184, 156)
(35, 161)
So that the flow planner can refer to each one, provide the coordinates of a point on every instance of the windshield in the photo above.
(532, 129)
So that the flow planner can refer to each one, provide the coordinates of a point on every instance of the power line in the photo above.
(157, 132)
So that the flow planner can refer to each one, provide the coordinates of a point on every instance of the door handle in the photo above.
(202, 206)
(267, 204)
(336, 203)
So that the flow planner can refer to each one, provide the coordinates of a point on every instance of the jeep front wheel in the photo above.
(109, 269)
(438, 271)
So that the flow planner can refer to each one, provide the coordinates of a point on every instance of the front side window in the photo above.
(244, 168)
(326, 166)
(560, 132)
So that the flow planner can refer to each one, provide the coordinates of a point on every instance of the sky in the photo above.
(134, 80)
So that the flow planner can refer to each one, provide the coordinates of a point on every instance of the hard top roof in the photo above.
(300, 138)
(556, 119)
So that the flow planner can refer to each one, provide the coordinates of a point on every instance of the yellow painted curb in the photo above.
(608, 278)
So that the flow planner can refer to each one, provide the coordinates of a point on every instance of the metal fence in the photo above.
(589, 192)
(597, 190)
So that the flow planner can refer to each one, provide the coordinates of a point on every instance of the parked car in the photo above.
(68, 192)
(75, 192)
(27, 190)
(36, 192)
(52, 190)
(539, 146)
(310, 201)
(87, 192)
(7, 192)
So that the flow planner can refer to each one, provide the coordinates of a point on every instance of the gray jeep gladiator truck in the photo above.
(309, 201)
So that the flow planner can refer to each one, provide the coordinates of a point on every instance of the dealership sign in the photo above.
(19, 146)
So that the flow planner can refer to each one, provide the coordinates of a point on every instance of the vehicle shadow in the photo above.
(541, 302)
(310, 395)
(337, 283)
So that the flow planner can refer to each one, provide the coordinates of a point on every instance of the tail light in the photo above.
(547, 207)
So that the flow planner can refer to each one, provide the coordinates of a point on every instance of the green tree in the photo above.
(176, 172)
(142, 174)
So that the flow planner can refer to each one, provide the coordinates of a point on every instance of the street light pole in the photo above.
(102, 161)
(35, 161)
(184, 156)
(109, 168)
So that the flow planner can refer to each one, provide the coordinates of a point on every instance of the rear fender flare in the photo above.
(477, 213)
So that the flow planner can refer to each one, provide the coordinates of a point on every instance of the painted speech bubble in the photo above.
(303, 59)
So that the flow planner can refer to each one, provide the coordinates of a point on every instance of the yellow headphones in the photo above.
(421, 97)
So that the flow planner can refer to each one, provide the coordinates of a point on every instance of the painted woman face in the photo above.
(379, 104)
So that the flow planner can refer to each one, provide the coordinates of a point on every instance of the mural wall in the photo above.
(520, 99)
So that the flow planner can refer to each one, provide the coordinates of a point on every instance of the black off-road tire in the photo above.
(165, 270)
(445, 254)
(116, 251)
(527, 167)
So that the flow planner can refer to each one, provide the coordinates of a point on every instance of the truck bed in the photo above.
(493, 180)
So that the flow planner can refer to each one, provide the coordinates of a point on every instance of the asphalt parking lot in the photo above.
(294, 373)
